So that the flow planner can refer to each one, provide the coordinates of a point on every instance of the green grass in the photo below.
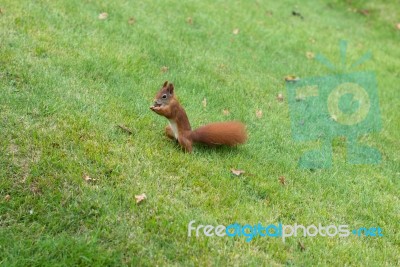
(67, 78)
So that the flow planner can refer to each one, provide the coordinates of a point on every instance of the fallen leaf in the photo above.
(364, 12)
(164, 69)
(235, 31)
(237, 172)
(87, 178)
(204, 102)
(282, 180)
(294, 13)
(103, 15)
(189, 20)
(131, 20)
(225, 112)
(398, 26)
(279, 97)
(55, 145)
(7, 198)
(310, 55)
(268, 13)
(126, 129)
(301, 245)
(292, 78)
(140, 198)
(35, 189)
(13, 148)
(259, 113)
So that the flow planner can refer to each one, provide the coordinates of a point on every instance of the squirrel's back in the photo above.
(221, 133)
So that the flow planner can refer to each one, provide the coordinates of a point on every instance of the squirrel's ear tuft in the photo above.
(171, 88)
(165, 84)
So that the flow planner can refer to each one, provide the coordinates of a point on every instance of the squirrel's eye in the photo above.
(164, 96)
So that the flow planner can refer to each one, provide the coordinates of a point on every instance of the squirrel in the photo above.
(229, 133)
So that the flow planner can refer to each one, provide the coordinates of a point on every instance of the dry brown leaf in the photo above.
(279, 97)
(298, 14)
(87, 178)
(237, 172)
(103, 15)
(131, 20)
(124, 128)
(268, 13)
(189, 20)
(164, 69)
(225, 112)
(282, 180)
(310, 55)
(140, 198)
(364, 12)
(7, 198)
(35, 189)
(301, 245)
(291, 78)
(204, 102)
(259, 113)
(235, 31)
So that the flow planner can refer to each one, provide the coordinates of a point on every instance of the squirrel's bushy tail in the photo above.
(229, 133)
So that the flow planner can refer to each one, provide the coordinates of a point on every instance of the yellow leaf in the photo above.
(140, 198)
(259, 113)
(87, 178)
(103, 15)
(279, 97)
(310, 55)
(237, 172)
(301, 245)
(204, 102)
(291, 78)
(131, 20)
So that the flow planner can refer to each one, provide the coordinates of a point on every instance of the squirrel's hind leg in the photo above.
(169, 132)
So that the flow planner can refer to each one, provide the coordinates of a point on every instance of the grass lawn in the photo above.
(67, 78)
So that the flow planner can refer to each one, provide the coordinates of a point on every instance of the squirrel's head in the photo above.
(164, 96)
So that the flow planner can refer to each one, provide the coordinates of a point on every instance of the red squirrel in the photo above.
(229, 133)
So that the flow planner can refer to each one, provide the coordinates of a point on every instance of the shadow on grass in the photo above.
(207, 149)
